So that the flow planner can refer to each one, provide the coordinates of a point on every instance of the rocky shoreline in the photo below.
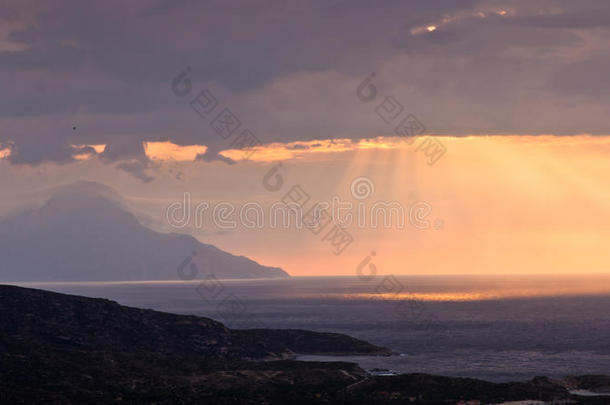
(63, 349)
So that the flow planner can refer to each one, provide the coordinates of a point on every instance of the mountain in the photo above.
(84, 232)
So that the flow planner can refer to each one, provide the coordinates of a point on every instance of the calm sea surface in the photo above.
(497, 328)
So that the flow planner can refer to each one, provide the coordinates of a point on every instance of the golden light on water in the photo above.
(479, 295)
(483, 288)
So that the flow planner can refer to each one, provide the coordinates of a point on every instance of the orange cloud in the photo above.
(300, 149)
(171, 151)
(86, 155)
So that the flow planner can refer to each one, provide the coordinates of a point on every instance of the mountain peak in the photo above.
(85, 232)
(89, 190)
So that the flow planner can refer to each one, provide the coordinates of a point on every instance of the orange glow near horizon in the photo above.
(300, 149)
(509, 204)
(277, 151)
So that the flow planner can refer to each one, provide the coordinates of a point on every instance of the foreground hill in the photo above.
(33, 317)
(84, 232)
(57, 348)
(63, 349)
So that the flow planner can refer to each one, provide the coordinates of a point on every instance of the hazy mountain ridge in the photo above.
(84, 232)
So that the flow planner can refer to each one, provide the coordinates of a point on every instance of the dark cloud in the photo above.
(33, 152)
(129, 152)
(138, 168)
(123, 148)
(298, 147)
(587, 79)
(211, 156)
(289, 69)
(573, 19)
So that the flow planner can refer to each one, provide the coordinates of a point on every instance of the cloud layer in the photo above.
(288, 71)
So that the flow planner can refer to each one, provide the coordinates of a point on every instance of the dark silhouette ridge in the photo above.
(64, 349)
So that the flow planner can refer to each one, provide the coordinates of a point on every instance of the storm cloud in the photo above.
(288, 70)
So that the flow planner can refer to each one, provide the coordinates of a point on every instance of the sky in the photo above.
(513, 93)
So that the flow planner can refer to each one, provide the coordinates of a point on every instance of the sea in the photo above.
(497, 328)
